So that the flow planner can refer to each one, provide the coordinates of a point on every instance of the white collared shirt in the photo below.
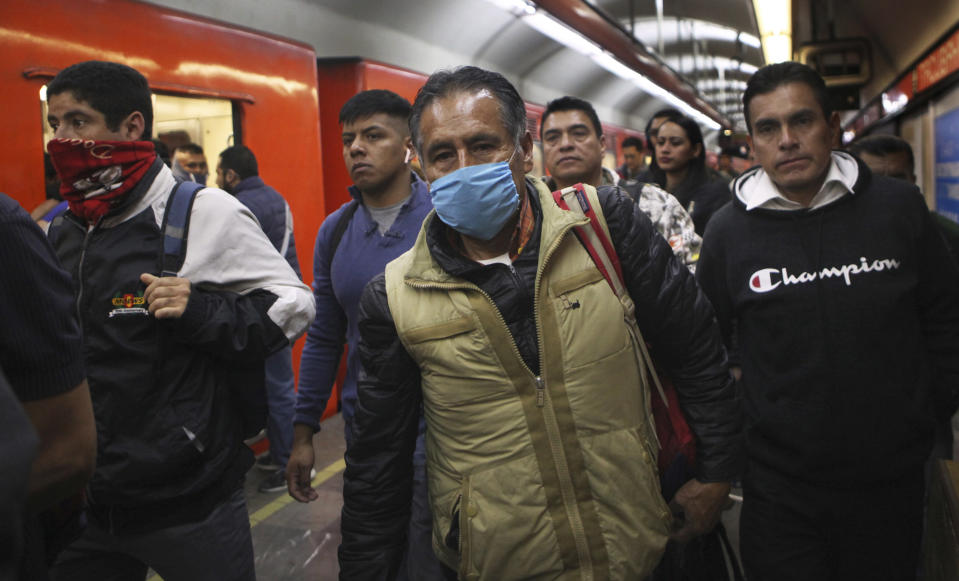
(759, 191)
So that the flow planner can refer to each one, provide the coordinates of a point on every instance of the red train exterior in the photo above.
(270, 81)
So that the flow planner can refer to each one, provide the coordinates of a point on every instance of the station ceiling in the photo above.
(426, 35)
(490, 34)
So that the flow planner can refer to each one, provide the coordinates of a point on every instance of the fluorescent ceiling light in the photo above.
(516, 7)
(561, 33)
(718, 62)
(775, 29)
(716, 85)
(566, 36)
(750, 40)
(613, 65)
(674, 29)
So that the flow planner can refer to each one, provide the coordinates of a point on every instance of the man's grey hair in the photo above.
(470, 79)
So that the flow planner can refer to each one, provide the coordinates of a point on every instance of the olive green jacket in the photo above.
(544, 477)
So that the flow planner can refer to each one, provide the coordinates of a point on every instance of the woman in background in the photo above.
(680, 168)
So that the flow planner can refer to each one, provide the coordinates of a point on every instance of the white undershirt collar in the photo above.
(759, 191)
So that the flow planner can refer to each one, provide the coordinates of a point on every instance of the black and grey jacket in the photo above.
(166, 429)
(675, 318)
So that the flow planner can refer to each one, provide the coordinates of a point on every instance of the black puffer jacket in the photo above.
(675, 318)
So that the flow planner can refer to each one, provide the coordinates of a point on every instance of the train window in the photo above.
(207, 122)
(210, 123)
(609, 160)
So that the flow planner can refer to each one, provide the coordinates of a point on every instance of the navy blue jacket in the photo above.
(271, 211)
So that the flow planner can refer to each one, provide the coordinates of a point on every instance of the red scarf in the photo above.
(94, 174)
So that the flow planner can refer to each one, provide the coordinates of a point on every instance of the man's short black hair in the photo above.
(470, 79)
(634, 142)
(881, 146)
(368, 103)
(771, 77)
(667, 112)
(113, 89)
(240, 159)
(568, 103)
(191, 148)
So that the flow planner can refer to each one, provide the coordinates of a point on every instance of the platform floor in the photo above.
(294, 541)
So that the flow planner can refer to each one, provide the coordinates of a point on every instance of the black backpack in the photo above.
(246, 382)
(340, 228)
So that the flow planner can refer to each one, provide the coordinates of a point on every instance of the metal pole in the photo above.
(659, 26)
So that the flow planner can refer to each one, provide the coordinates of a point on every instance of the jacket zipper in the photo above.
(553, 432)
(83, 256)
(88, 489)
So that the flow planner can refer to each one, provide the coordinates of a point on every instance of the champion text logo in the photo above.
(767, 279)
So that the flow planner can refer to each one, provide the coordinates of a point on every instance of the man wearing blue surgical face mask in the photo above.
(539, 448)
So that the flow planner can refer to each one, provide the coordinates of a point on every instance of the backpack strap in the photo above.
(176, 225)
(601, 250)
(341, 226)
(593, 236)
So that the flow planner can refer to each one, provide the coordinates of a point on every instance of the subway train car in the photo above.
(273, 76)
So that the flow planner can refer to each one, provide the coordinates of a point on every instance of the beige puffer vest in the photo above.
(551, 477)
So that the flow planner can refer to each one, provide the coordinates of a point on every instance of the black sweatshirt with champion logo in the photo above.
(846, 319)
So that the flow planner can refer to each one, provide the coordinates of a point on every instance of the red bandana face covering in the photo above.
(96, 174)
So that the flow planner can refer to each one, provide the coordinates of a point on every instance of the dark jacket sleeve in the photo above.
(939, 311)
(377, 483)
(678, 323)
(40, 348)
(325, 338)
(230, 325)
(711, 276)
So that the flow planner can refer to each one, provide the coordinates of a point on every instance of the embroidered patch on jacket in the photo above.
(125, 304)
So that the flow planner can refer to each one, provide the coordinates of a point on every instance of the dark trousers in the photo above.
(421, 562)
(792, 531)
(217, 547)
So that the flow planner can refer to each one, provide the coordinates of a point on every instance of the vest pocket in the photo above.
(443, 330)
(506, 531)
(589, 318)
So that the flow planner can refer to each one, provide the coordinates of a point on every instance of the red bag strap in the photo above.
(593, 236)
(603, 253)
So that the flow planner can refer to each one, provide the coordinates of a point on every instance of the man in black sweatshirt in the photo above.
(840, 293)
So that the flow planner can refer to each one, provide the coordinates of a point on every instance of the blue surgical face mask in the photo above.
(476, 200)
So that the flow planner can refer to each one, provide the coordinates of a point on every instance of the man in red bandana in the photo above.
(161, 352)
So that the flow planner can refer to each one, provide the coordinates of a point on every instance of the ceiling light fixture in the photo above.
(573, 39)
(774, 18)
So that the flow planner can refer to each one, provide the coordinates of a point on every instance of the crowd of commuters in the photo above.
(496, 402)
